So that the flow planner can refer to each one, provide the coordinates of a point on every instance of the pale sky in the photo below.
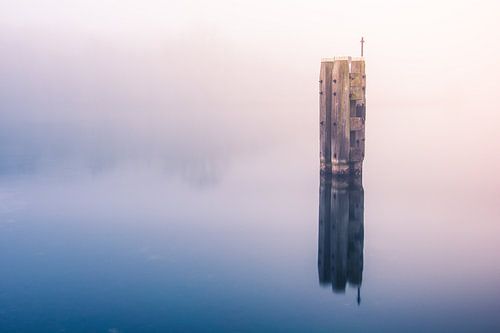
(193, 71)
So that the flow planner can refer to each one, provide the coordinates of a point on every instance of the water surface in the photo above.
(240, 246)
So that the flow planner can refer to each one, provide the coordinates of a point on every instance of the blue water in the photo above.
(235, 246)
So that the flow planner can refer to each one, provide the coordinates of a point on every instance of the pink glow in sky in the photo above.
(172, 73)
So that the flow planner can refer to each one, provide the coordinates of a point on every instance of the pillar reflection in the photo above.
(341, 233)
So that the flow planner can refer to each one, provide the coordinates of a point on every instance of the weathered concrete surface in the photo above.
(342, 115)
(325, 115)
(358, 116)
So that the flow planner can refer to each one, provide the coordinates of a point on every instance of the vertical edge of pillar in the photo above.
(358, 113)
(340, 118)
(325, 115)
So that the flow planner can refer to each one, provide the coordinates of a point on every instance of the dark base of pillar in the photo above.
(325, 168)
(342, 170)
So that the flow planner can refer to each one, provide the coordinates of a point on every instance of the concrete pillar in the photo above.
(342, 115)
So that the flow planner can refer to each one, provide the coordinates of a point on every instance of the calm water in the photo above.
(159, 168)
(253, 243)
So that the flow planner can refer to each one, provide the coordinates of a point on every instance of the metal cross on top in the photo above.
(362, 42)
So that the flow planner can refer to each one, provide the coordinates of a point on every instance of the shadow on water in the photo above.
(341, 233)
